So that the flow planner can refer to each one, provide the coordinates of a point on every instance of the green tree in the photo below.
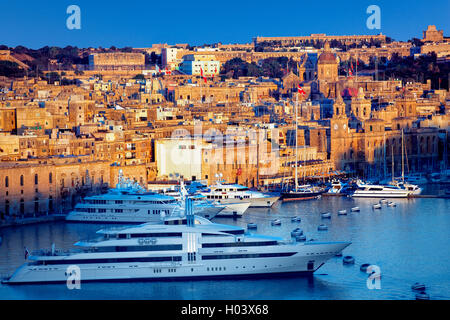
(11, 69)
(139, 77)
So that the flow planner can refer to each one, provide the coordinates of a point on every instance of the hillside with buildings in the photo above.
(71, 118)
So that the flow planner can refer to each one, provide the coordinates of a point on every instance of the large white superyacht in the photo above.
(235, 193)
(234, 208)
(131, 203)
(181, 247)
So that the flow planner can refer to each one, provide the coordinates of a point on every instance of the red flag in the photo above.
(301, 91)
(201, 73)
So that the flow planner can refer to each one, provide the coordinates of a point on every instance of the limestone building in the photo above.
(117, 61)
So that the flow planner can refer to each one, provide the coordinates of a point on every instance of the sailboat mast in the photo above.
(384, 154)
(257, 161)
(403, 161)
(296, 104)
(392, 153)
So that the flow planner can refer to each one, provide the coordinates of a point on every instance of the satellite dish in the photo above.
(177, 175)
(220, 175)
(170, 175)
(216, 175)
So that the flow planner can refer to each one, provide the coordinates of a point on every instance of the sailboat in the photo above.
(304, 192)
(395, 189)
(411, 188)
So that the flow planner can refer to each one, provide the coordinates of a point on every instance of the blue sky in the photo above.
(141, 23)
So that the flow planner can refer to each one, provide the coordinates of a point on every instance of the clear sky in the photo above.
(135, 23)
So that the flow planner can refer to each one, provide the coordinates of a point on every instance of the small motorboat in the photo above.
(348, 260)
(276, 222)
(322, 227)
(376, 206)
(355, 209)
(296, 232)
(383, 201)
(339, 254)
(326, 215)
(364, 267)
(342, 212)
(392, 204)
(300, 238)
(252, 225)
(296, 219)
(418, 287)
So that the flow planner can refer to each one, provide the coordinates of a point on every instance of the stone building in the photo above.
(7, 119)
(117, 61)
(317, 38)
(56, 185)
(368, 149)
(433, 35)
(327, 65)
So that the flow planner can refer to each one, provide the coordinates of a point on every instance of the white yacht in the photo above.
(336, 187)
(176, 248)
(235, 193)
(230, 209)
(380, 191)
(130, 203)
(122, 206)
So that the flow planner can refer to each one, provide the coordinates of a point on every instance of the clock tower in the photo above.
(339, 121)
(340, 138)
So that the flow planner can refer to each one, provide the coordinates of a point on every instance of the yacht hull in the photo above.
(298, 196)
(381, 194)
(234, 209)
(265, 202)
(308, 258)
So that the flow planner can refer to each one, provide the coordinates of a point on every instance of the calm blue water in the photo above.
(410, 243)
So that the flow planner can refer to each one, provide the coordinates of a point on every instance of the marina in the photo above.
(419, 224)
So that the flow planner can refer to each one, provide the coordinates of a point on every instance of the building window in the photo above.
(6, 182)
(36, 180)
(50, 178)
(21, 180)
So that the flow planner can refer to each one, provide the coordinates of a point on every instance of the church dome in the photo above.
(327, 56)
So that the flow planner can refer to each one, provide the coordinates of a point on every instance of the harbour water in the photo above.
(409, 243)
